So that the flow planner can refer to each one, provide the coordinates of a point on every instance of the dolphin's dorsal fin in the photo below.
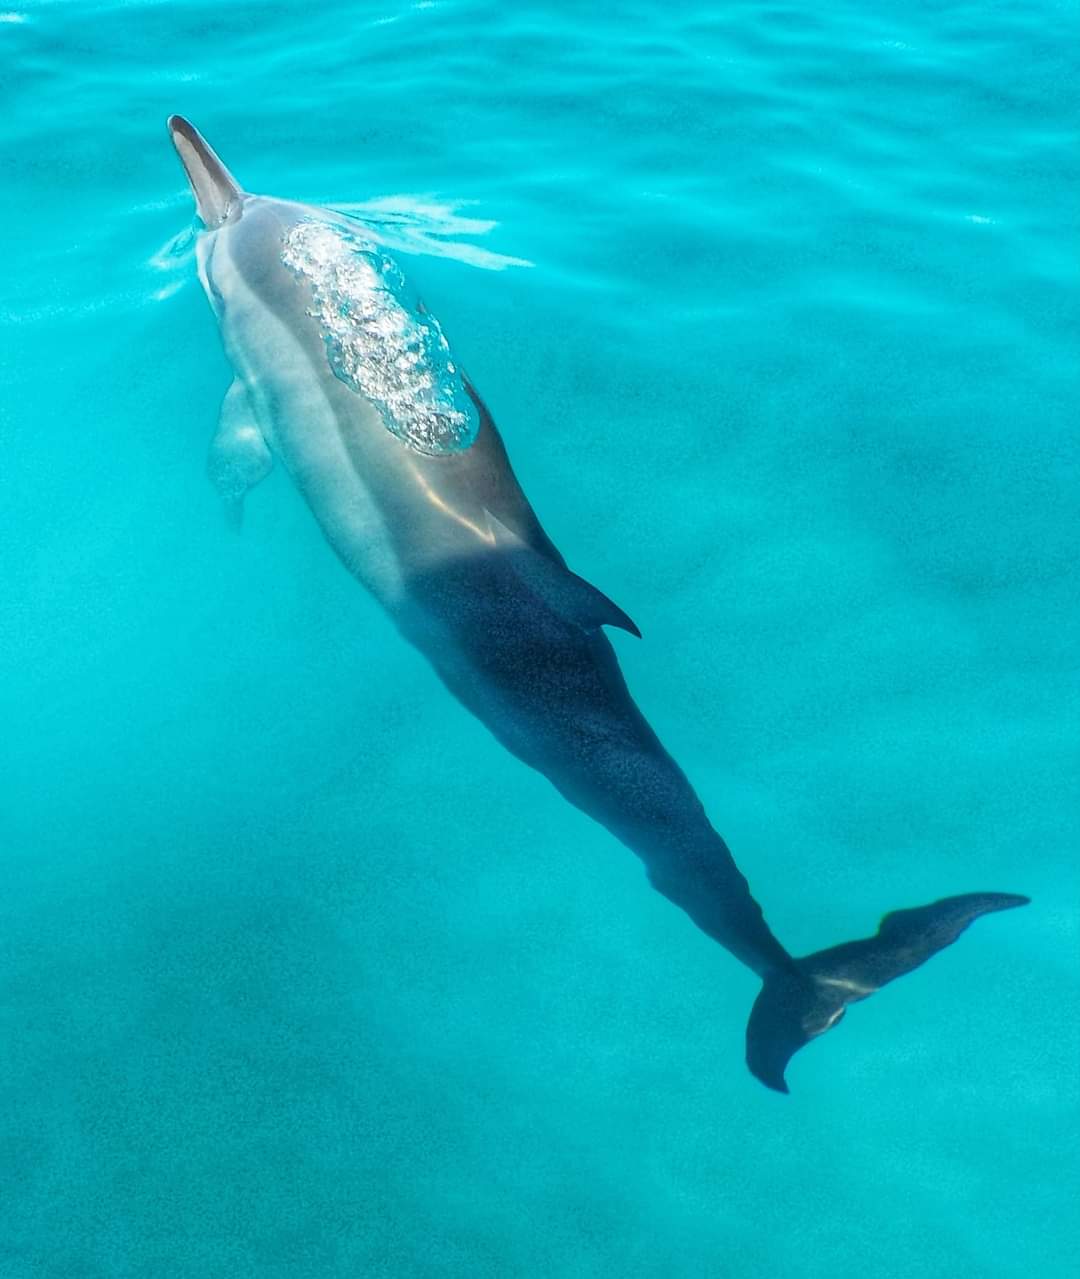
(569, 595)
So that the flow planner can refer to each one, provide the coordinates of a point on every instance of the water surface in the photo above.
(300, 974)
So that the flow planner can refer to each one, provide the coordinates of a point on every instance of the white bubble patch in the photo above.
(379, 343)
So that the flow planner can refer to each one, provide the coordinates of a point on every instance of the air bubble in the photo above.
(378, 342)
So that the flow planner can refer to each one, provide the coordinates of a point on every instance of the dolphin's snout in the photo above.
(218, 195)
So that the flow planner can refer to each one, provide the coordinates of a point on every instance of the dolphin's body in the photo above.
(350, 384)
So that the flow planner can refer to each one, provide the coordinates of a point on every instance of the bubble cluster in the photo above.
(379, 343)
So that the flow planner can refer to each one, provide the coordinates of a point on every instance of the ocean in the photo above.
(302, 976)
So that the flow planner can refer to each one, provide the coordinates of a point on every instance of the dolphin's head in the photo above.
(218, 197)
(241, 237)
(333, 286)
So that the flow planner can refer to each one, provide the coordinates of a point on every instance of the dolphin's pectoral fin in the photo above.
(798, 1004)
(569, 595)
(239, 457)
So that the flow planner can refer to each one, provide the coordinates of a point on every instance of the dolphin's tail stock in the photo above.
(796, 1005)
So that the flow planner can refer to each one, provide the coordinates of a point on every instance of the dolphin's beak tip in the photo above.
(216, 191)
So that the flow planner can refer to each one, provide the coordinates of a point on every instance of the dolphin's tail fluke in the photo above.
(796, 1005)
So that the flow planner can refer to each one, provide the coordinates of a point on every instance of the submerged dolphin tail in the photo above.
(217, 193)
(796, 1005)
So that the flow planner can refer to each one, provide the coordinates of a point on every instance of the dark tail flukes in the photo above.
(798, 1004)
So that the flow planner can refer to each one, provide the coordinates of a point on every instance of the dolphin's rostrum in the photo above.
(346, 380)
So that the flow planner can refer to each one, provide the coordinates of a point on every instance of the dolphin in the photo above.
(345, 379)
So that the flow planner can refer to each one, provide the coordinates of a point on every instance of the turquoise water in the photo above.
(300, 974)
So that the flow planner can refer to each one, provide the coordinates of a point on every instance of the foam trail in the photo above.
(420, 225)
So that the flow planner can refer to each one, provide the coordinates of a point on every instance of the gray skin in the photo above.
(451, 548)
